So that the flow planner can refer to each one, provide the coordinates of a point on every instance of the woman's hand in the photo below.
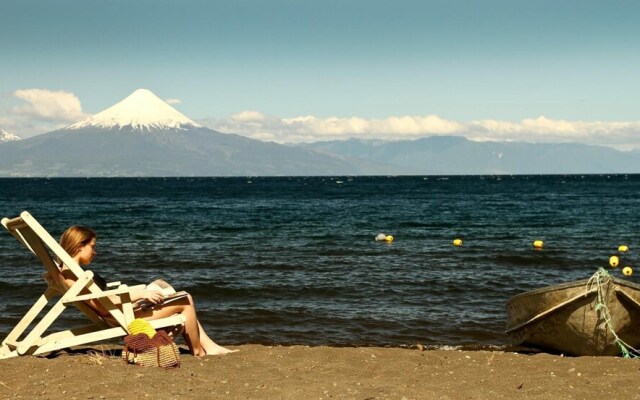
(153, 296)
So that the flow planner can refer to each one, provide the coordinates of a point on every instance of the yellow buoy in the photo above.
(614, 261)
(628, 271)
(538, 244)
(623, 248)
(457, 242)
(389, 238)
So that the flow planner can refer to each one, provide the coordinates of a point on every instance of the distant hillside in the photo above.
(169, 152)
(444, 155)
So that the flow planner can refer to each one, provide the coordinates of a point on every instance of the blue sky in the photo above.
(300, 70)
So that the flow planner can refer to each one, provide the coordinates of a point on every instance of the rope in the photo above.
(599, 280)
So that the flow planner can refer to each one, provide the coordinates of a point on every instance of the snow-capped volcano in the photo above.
(8, 137)
(144, 136)
(141, 110)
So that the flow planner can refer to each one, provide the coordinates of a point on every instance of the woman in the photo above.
(80, 242)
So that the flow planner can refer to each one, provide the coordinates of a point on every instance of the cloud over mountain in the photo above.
(29, 112)
(49, 105)
(305, 129)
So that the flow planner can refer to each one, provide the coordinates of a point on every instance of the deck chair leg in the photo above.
(13, 336)
(6, 352)
(55, 311)
(40, 328)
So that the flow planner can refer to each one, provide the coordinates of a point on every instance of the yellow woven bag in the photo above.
(148, 348)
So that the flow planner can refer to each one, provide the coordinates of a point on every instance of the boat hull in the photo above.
(565, 318)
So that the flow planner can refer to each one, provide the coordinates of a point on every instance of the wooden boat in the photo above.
(586, 317)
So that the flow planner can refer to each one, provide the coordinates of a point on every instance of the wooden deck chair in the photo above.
(37, 341)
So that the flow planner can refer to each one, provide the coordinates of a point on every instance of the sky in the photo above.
(302, 70)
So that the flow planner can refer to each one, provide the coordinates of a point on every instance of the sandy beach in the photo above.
(297, 372)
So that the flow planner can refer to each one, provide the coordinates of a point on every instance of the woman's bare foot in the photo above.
(217, 350)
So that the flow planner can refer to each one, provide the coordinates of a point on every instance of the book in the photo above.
(169, 293)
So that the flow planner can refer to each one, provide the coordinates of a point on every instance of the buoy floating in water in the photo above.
(538, 244)
(623, 248)
(627, 271)
(614, 261)
(381, 237)
(457, 242)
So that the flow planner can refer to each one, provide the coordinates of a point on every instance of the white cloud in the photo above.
(173, 101)
(248, 116)
(49, 105)
(309, 128)
(40, 110)
(406, 126)
(623, 135)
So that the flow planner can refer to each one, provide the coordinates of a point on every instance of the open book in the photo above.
(169, 293)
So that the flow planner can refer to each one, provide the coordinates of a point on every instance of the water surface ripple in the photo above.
(293, 260)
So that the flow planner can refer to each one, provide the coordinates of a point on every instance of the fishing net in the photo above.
(599, 280)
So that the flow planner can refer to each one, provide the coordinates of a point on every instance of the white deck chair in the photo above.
(37, 341)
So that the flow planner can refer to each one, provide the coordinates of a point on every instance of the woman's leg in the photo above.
(191, 326)
(211, 347)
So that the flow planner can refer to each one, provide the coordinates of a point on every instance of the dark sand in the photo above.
(299, 372)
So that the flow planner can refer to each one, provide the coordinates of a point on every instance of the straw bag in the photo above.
(155, 351)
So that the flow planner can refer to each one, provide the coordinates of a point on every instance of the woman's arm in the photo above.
(153, 296)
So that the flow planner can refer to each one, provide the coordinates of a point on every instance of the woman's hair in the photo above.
(75, 238)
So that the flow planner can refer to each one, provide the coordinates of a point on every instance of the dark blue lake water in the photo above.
(294, 260)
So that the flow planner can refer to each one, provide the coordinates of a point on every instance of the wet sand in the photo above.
(300, 372)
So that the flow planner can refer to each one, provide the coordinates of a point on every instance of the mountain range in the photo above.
(144, 136)
(454, 155)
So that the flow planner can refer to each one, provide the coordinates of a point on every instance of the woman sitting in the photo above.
(80, 242)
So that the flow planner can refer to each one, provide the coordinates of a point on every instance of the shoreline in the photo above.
(323, 372)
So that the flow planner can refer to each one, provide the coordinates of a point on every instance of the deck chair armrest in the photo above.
(114, 284)
(114, 292)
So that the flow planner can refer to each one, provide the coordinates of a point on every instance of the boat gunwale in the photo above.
(572, 284)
